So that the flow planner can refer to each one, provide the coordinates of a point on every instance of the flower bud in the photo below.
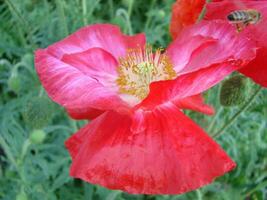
(161, 13)
(28, 59)
(233, 91)
(14, 83)
(37, 136)
(38, 112)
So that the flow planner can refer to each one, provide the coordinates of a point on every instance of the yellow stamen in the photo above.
(140, 67)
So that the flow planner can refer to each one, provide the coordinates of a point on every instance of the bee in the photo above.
(242, 18)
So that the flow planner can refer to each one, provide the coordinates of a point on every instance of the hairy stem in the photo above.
(203, 12)
(84, 9)
(62, 17)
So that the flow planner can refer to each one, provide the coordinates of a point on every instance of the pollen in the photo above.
(140, 67)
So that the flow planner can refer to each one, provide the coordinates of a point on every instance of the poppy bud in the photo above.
(28, 59)
(37, 136)
(161, 13)
(233, 91)
(14, 83)
(38, 112)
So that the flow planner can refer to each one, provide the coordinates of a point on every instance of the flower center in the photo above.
(140, 67)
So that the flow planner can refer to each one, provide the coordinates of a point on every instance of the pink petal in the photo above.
(170, 155)
(181, 50)
(208, 43)
(72, 88)
(257, 69)
(105, 36)
(96, 63)
(195, 103)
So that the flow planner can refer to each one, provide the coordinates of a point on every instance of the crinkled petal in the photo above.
(256, 69)
(170, 155)
(181, 50)
(184, 13)
(72, 88)
(105, 36)
(196, 103)
(208, 43)
(96, 63)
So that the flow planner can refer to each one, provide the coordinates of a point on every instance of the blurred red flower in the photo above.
(139, 140)
(184, 13)
(220, 9)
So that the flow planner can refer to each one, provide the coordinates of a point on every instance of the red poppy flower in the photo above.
(256, 69)
(140, 141)
(184, 13)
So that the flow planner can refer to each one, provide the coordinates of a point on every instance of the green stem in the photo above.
(199, 194)
(122, 12)
(238, 113)
(62, 16)
(214, 119)
(203, 12)
(84, 8)
(24, 150)
(258, 187)
(148, 21)
(111, 9)
(130, 8)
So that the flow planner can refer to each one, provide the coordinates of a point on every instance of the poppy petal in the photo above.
(216, 39)
(172, 155)
(195, 103)
(72, 88)
(257, 69)
(105, 36)
(84, 113)
(181, 50)
(96, 63)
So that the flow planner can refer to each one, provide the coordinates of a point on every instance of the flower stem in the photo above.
(84, 9)
(122, 12)
(214, 119)
(62, 16)
(203, 12)
(199, 194)
(149, 19)
(258, 187)
(238, 113)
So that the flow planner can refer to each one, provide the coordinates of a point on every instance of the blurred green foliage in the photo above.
(33, 161)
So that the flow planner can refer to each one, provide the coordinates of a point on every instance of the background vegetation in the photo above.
(33, 161)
